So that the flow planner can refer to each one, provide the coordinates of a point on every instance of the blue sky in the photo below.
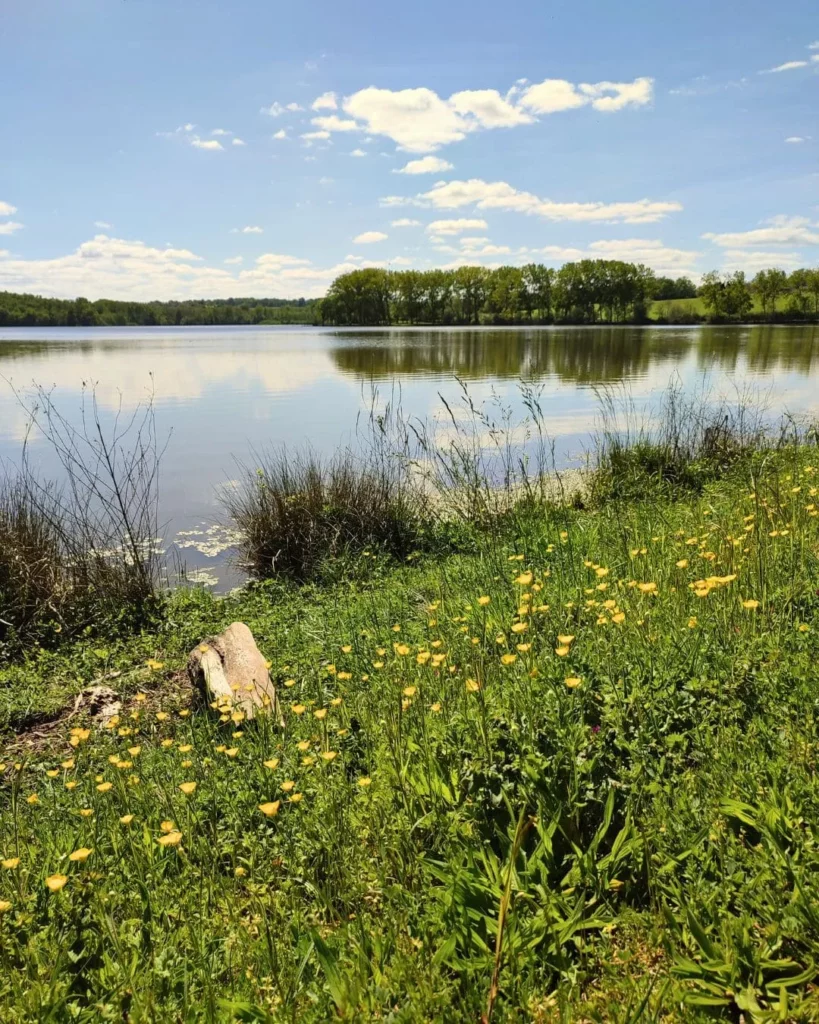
(184, 148)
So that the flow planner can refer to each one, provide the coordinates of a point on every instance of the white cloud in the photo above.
(750, 262)
(327, 101)
(120, 269)
(405, 222)
(552, 96)
(795, 138)
(277, 109)
(815, 58)
(781, 230)
(250, 229)
(426, 165)
(221, 131)
(271, 259)
(326, 181)
(280, 134)
(310, 136)
(8, 227)
(652, 252)
(421, 121)
(6, 209)
(556, 94)
(238, 142)
(499, 195)
(455, 227)
(488, 108)
(483, 247)
(212, 144)
(4, 253)
(370, 236)
(814, 46)
(558, 253)
(333, 123)
(233, 260)
(790, 65)
(103, 224)
(358, 152)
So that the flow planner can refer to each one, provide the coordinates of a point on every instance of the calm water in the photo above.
(224, 391)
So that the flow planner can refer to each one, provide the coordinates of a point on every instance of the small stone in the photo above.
(230, 671)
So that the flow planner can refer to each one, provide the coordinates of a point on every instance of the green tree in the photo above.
(769, 285)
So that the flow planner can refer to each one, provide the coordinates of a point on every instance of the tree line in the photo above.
(19, 310)
(583, 292)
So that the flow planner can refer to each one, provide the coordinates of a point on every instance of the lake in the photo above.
(223, 392)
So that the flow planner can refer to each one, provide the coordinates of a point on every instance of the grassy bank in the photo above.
(568, 773)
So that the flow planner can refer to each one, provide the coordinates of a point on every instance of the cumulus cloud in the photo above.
(421, 121)
(795, 138)
(234, 260)
(313, 136)
(405, 222)
(499, 195)
(652, 252)
(456, 227)
(8, 227)
(333, 123)
(6, 209)
(280, 134)
(751, 261)
(248, 229)
(212, 144)
(121, 269)
(221, 131)
(556, 94)
(358, 152)
(370, 236)
(327, 101)
(790, 65)
(277, 109)
(238, 142)
(779, 230)
(426, 165)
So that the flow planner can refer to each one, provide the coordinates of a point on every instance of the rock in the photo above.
(99, 701)
(230, 672)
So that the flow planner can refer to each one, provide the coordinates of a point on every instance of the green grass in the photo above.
(695, 307)
(621, 826)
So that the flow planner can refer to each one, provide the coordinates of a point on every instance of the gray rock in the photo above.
(231, 674)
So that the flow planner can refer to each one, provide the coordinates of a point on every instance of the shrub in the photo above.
(688, 443)
(295, 511)
(80, 556)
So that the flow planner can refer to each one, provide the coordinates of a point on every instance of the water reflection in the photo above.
(225, 392)
(585, 356)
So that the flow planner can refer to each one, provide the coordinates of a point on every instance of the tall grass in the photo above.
(680, 444)
(295, 511)
(81, 554)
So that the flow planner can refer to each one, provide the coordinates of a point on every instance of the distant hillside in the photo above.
(20, 310)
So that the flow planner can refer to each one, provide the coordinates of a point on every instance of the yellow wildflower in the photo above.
(188, 788)
(56, 882)
(170, 839)
(80, 856)
(271, 808)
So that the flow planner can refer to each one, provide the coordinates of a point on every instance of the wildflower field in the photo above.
(566, 773)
